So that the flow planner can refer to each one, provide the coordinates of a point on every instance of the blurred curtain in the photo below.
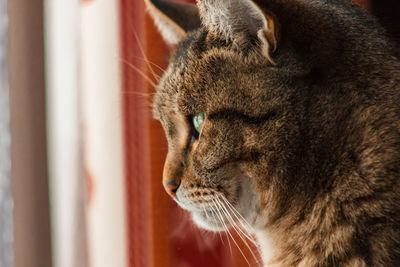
(101, 122)
(5, 149)
(64, 133)
(31, 220)
(84, 129)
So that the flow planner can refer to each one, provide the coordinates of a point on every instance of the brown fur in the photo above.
(307, 150)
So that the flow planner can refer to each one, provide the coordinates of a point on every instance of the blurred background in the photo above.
(80, 156)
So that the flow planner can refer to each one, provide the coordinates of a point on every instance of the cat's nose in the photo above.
(171, 187)
(172, 174)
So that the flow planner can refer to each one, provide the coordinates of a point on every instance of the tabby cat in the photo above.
(283, 118)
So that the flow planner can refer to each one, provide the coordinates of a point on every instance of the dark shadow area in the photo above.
(388, 14)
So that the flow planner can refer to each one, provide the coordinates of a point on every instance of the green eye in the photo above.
(198, 120)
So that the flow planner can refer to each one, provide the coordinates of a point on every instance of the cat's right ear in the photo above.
(241, 21)
(173, 19)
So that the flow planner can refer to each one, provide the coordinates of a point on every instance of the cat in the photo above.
(283, 117)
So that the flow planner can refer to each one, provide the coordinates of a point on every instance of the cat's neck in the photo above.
(266, 246)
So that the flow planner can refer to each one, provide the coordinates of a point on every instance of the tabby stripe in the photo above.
(231, 114)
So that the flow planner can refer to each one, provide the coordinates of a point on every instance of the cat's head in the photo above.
(213, 104)
(231, 106)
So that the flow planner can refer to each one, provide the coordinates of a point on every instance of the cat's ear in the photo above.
(173, 19)
(240, 21)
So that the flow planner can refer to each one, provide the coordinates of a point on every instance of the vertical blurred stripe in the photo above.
(136, 118)
(6, 203)
(31, 227)
(63, 113)
(102, 134)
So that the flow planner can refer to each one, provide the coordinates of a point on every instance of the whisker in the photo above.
(150, 62)
(143, 53)
(240, 233)
(239, 228)
(140, 72)
(245, 225)
(236, 211)
(145, 96)
(144, 104)
(219, 232)
(208, 217)
(234, 241)
(223, 223)
(243, 220)
(249, 237)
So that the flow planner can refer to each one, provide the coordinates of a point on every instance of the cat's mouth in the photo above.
(219, 212)
(214, 213)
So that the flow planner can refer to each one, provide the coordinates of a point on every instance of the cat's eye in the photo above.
(198, 120)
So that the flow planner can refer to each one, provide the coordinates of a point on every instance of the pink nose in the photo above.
(171, 187)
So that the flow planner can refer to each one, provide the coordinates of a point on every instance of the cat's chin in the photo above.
(207, 223)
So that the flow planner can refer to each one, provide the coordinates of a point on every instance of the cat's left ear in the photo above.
(240, 21)
(173, 19)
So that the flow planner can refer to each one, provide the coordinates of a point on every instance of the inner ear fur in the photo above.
(173, 19)
(269, 36)
(239, 21)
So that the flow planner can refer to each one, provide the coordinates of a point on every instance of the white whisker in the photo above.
(242, 232)
(152, 63)
(234, 241)
(239, 231)
(144, 54)
(241, 220)
(140, 72)
(219, 216)
(208, 217)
